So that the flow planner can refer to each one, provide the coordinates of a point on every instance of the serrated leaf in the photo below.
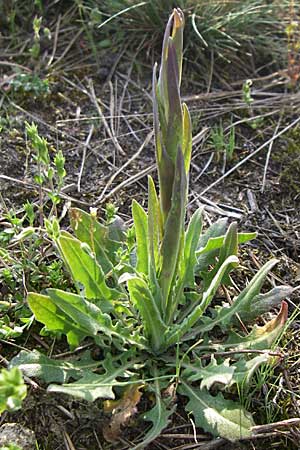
(141, 231)
(36, 365)
(212, 373)
(244, 369)
(263, 303)
(217, 415)
(93, 386)
(143, 300)
(223, 315)
(260, 338)
(159, 416)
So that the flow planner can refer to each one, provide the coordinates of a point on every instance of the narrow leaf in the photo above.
(143, 300)
(190, 245)
(260, 338)
(224, 315)
(178, 332)
(186, 138)
(263, 303)
(154, 226)
(173, 229)
(141, 230)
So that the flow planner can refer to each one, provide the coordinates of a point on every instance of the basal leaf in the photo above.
(93, 386)
(88, 229)
(223, 315)
(263, 303)
(244, 369)
(36, 365)
(143, 300)
(46, 311)
(212, 373)
(178, 332)
(159, 415)
(217, 415)
(122, 411)
(260, 338)
(84, 269)
(141, 231)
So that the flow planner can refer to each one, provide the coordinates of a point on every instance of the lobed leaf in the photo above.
(260, 338)
(36, 365)
(93, 386)
(143, 300)
(210, 374)
(217, 415)
(159, 415)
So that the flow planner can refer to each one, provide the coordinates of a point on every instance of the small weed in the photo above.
(30, 84)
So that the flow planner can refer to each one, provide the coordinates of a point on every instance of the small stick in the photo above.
(55, 40)
(281, 424)
(86, 144)
(269, 154)
(102, 117)
(127, 182)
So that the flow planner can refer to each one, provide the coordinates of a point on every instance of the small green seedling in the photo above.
(12, 389)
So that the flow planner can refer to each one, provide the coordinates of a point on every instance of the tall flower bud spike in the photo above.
(173, 141)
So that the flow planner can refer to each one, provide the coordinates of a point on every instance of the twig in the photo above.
(288, 423)
(269, 154)
(33, 186)
(86, 144)
(128, 182)
(102, 117)
(55, 40)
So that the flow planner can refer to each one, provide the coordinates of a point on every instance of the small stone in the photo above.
(14, 433)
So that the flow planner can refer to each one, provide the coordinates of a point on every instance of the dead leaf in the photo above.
(122, 410)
